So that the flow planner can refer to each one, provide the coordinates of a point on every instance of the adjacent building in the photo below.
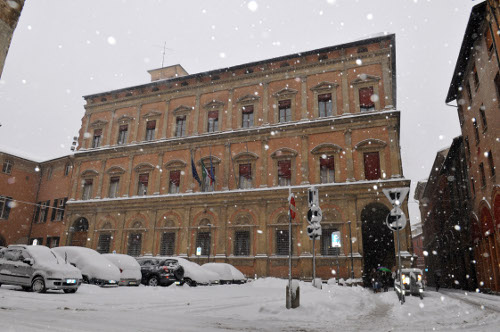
(10, 10)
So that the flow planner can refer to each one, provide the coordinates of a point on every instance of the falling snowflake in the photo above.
(253, 6)
(111, 40)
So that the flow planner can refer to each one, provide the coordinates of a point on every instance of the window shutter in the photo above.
(175, 177)
(247, 109)
(54, 209)
(63, 207)
(285, 169)
(151, 124)
(47, 205)
(365, 97)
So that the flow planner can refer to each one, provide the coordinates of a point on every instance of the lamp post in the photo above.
(352, 258)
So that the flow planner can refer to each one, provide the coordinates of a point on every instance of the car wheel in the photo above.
(153, 281)
(38, 285)
(70, 291)
(190, 282)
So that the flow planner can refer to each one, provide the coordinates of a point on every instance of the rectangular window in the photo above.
(150, 130)
(104, 243)
(49, 173)
(96, 142)
(473, 185)
(39, 240)
(325, 104)
(491, 164)
(114, 184)
(327, 169)
(285, 110)
(365, 99)
(167, 245)
(44, 211)
(469, 91)
(213, 121)
(209, 184)
(53, 241)
(489, 40)
(475, 76)
(122, 134)
(483, 175)
(7, 167)
(87, 189)
(5, 207)
(61, 206)
(180, 126)
(134, 244)
(329, 239)
(284, 173)
(203, 242)
(282, 242)
(476, 130)
(245, 178)
(142, 188)
(482, 112)
(174, 182)
(54, 209)
(372, 165)
(242, 243)
(67, 169)
(497, 85)
(247, 116)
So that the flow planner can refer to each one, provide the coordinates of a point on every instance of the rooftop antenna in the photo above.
(163, 53)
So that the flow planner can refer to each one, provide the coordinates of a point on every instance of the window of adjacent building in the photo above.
(247, 116)
(366, 103)
(325, 105)
(284, 173)
(242, 243)
(123, 134)
(327, 169)
(372, 165)
(7, 166)
(483, 174)
(39, 240)
(245, 179)
(180, 126)
(41, 212)
(150, 130)
(104, 243)
(475, 76)
(482, 112)
(58, 209)
(5, 203)
(96, 141)
(491, 164)
(134, 244)
(469, 91)
(114, 185)
(49, 172)
(326, 242)
(174, 182)
(142, 188)
(203, 242)
(489, 40)
(282, 242)
(67, 169)
(87, 189)
(213, 121)
(285, 110)
(476, 130)
(53, 241)
(167, 244)
(497, 85)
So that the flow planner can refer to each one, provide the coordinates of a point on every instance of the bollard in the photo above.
(295, 295)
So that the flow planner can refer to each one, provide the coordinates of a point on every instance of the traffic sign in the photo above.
(314, 215)
(396, 195)
(396, 219)
(336, 240)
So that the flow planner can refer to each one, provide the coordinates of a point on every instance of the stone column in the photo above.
(110, 128)
(166, 116)
(305, 112)
(101, 179)
(305, 159)
(91, 230)
(349, 155)
(76, 181)
(387, 79)
(264, 174)
(128, 176)
(265, 104)
(190, 178)
(86, 140)
(395, 152)
(159, 173)
(345, 90)
(222, 233)
(196, 113)
(136, 127)
(227, 158)
(229, 118)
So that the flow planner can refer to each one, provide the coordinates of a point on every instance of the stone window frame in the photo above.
(323, 88)
(175, 165)
(216, 161)
(96, 125)
(151, 116)
(114, 171)
(242, 222)
(105, 229)
(247, 100)
(123, 120)
(88, 174)
(282, 95)
(339, 226)
(282, 221)
(202, 227)
(371, 145)
(136, 228)
(182, 110)
(8, 165)
(213, 105)
(143, 168)
(284, 154)
(169, 226)
(245, 158)
(366, 82)
(329, 149)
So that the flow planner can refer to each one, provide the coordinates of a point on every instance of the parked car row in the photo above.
(38, 268)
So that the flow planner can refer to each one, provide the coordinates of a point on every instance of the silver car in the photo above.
(37, 268)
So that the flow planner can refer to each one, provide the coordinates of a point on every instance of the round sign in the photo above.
(396, 219)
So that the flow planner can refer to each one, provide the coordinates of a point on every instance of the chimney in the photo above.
(167, 73)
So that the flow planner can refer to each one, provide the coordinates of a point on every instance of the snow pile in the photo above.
(128, 266)
(226, 272)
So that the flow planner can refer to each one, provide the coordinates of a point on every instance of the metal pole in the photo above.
(209, 240)
(314, 263)
(289, 302)
(399, 267)
(352, 258)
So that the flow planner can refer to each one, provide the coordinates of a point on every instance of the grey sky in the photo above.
(63, 50)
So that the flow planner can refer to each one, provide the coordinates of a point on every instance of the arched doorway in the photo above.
(378, 240)
(79, 232)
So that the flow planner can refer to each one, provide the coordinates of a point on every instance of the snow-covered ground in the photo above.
(255, 306)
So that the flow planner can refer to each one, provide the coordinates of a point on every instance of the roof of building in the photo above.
(477, 15)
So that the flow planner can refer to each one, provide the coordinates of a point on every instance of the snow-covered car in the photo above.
(130, 270)
(195, 275)
(412, 282)
(228, 274)
(94, 267)
(37, 268)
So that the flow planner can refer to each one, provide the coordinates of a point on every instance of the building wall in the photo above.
(9, 15)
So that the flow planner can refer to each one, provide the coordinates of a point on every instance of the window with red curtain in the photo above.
(213, 121)
(142, 188)
(150, 130)
(325, 104)
(122, 134)
(284, 172)
(96, 142)
(174, 182)
(372, 165)
(327, 169)
(365, 101)
(245, 176)
(247, 116)
(285, 110)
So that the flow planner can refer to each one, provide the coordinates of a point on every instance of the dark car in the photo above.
(160, 271)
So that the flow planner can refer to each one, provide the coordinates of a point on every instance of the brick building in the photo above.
(475, 87)
(9, 15)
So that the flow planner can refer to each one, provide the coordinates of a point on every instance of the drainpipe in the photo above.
(39, 166)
